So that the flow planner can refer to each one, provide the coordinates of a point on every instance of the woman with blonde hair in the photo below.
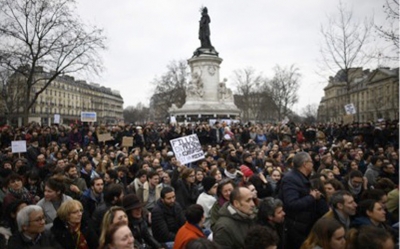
(71, 229)
(115, 214)
(327, 233)
(118, 236)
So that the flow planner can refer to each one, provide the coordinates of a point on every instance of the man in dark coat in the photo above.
(303, 205)
(167, 216)
(31, 226)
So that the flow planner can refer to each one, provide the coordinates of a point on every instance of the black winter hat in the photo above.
(208, 182)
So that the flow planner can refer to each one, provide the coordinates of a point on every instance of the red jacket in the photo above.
(185, 234)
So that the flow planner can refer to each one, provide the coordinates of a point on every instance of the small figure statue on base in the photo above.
(195, 88)
(224, 93)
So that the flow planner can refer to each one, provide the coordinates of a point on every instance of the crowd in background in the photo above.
(308, 186)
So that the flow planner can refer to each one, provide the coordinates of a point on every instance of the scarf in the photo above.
(234, 210)
(22, 194)
(78, 237)
(230, 175)
(353, 190)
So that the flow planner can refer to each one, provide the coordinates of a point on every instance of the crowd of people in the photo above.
(259, 186)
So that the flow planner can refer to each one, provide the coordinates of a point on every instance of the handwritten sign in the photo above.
(347, 119)
(127, 141)
(104, 137)
(57, 118)
(350, 109)
(18, 146)
(187, 149)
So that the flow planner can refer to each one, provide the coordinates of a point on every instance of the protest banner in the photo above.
(18, 146)
(127, 141)
(187, 149)
(88, 116)
(104, 137)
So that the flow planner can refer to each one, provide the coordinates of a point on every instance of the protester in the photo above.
(192, 227)
(303, 205)
(114, 215)
(167, 217)
(326, 234)
(31, 226)
(236, 219)
(71, 228)
(53, 198)
(118, 236)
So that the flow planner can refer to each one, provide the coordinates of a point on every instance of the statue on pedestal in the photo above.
(204, 35)
(204, 31)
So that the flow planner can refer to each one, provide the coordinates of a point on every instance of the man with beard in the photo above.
(93, 196)
(73, 183)
(167, 217)
(113, 195)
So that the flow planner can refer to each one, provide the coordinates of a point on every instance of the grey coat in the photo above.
(49, 211)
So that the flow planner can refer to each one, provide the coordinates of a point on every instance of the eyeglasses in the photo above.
(192, 176)
(39, 219)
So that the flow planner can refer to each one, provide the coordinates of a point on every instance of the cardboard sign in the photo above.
(18, 146)
(88, 117)
(187, 149)
(57, 118)
(104, 137)
(347, 119)
(350, 109)
(127, 141)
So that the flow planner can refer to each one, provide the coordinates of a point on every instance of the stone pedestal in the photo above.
(206, 96)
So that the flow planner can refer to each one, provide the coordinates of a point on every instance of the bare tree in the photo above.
(170, 88)
(390, 31)
(38, 34)
(284, 88)
(10, 93)
(248, 85)
(309, 112)
(136, 114)
(344, 44)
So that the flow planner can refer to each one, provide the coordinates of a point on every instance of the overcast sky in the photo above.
(144, 36)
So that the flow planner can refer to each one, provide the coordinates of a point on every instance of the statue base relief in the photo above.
(206, 96)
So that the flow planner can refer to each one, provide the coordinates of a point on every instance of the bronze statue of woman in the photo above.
(204, 31)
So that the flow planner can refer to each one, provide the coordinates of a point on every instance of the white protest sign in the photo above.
(350, 109)
(18, 146)
(285, 121)
(187, 149)
(57, 118)
(173, 119)
(88, 117)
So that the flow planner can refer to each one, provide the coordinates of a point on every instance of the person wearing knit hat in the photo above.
(207, 198)
(247, 172)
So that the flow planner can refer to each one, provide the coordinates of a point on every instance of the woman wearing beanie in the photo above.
(207, 198)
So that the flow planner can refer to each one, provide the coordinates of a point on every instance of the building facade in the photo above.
(375, 95)
(66, 97)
